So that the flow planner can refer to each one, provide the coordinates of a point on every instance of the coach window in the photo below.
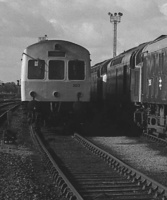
(76, 70)
(56, 69)
(36, 69)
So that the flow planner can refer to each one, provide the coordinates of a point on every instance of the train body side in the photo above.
(152, 109)
(116, 81)
(121, 88)
(155, 73)
(136, 86)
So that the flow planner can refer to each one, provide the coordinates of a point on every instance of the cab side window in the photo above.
(36, 69)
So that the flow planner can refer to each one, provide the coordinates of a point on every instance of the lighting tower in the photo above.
(116, 18)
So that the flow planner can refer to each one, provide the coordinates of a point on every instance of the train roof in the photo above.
(101, 63)
(155, 45)
(133, 55)
(58, 42)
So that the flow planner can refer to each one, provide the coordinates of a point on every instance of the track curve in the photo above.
(93, 178)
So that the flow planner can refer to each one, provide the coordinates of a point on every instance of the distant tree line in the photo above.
(10, 88)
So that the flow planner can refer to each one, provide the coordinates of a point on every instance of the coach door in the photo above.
(136, 84)
(99, 87)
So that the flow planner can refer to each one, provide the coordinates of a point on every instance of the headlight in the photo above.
(56, 94)
(33, 94)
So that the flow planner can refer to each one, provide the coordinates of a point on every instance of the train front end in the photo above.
(55, 77)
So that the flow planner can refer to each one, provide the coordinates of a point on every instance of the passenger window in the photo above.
(76, 70)
(56, 69)
(36, 69)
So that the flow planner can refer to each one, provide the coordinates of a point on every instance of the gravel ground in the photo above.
(147, 157)
(23, 175)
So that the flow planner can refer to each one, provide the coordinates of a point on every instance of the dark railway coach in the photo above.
(133, 85)
(55, 78)
(152, 114)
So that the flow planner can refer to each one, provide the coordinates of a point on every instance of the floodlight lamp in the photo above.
(120, 14)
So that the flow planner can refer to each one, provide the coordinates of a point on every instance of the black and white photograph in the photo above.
(83, 100)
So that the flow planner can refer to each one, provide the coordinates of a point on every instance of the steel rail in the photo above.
(4, 104)
(154, 138)
(62, 181)
(131, 173)
(4, 115)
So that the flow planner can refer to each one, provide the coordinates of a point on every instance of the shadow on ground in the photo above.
(102, 125)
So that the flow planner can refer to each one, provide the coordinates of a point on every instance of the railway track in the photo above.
(6, 109)
(162, 141)
(81, 174)
(5, 122)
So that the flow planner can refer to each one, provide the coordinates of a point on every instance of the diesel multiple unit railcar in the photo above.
(134, 84)
(55, 78)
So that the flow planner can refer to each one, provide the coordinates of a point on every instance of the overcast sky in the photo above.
(85, 22)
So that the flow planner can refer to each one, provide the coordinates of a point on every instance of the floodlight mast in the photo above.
(115, 18)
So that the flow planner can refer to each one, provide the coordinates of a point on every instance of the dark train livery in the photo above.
(134, 84)
(55, 78)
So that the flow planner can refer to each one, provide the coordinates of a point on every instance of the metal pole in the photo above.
(116, 18)
(115, 40)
